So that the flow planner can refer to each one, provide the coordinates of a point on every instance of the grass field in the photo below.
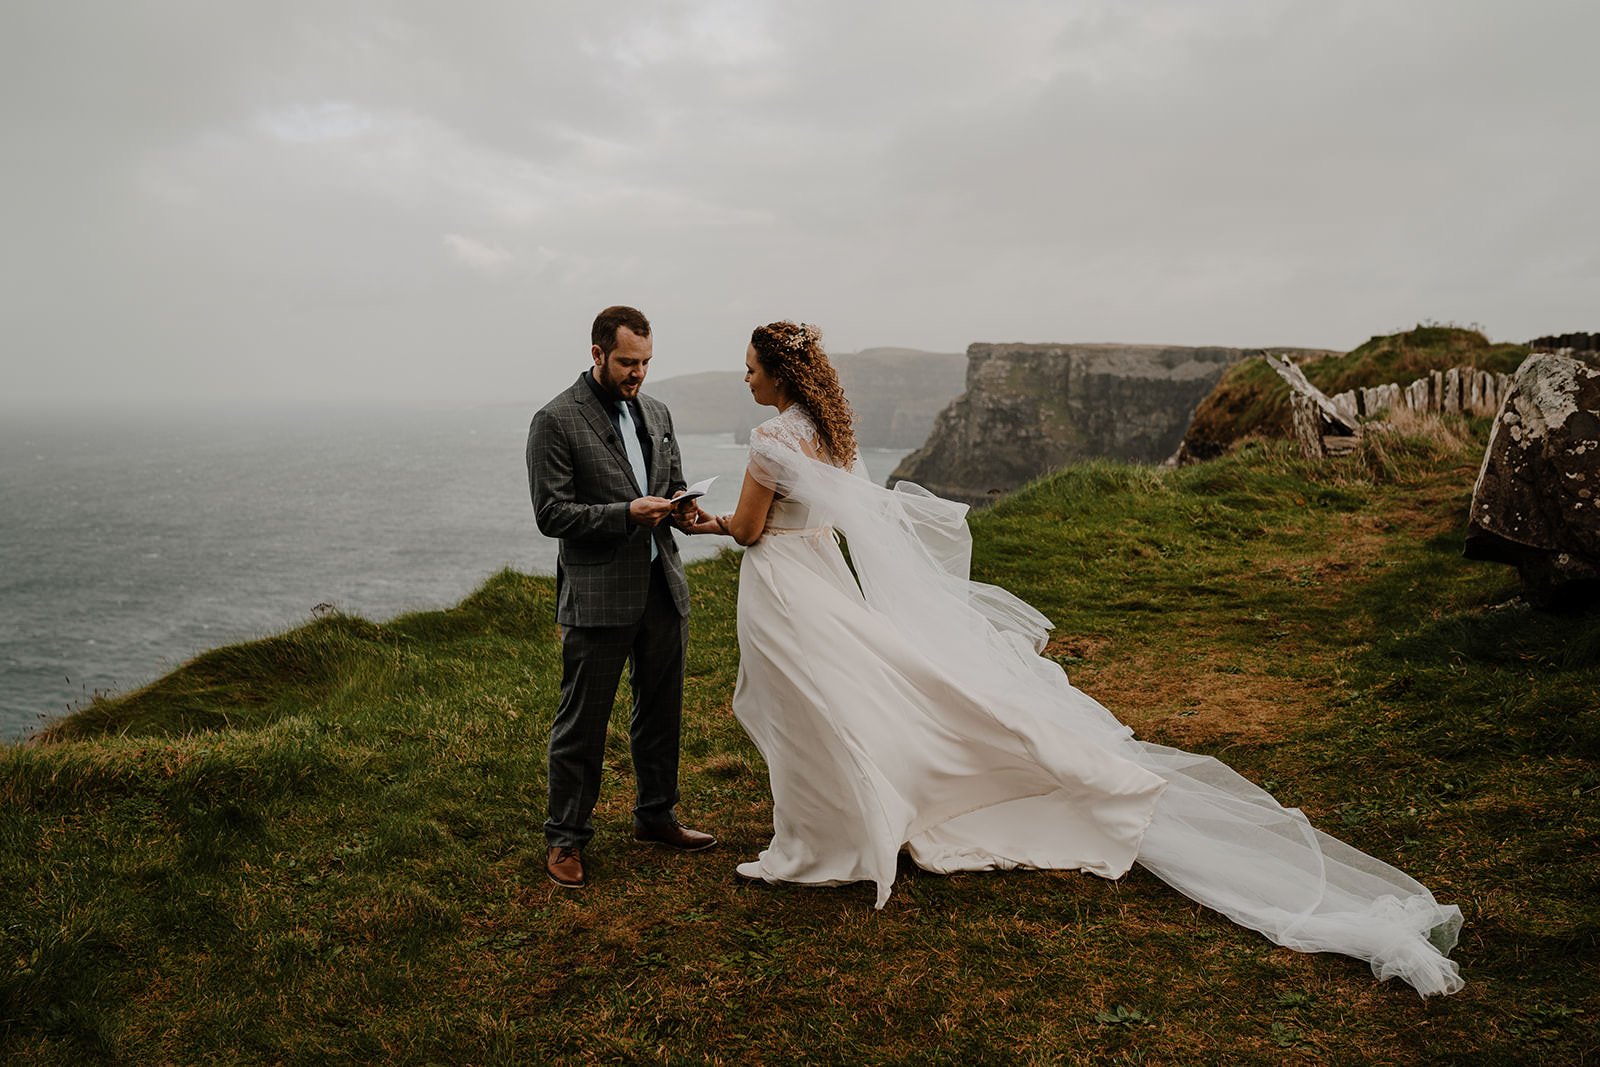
(324, 847)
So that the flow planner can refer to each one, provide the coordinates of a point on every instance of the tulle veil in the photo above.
(1215, 836)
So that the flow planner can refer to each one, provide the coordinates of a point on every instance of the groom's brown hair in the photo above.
(604, 332)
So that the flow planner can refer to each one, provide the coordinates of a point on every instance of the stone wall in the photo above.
(1457, 391)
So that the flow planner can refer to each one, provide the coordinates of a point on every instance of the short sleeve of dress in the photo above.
(779, 448)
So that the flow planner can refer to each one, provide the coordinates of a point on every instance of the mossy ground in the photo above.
(1252, 400)
(325, 847)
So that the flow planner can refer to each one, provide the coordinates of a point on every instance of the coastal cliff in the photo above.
(1030, 408)
(896, 393)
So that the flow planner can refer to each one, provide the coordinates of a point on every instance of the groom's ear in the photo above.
(598, 355)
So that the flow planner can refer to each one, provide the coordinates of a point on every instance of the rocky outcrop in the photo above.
(896, 394)
(1536, 504)
(1029, 409)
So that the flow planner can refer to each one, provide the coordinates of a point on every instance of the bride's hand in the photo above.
(706, 524)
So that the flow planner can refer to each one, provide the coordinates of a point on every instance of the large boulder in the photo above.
(1536, 504)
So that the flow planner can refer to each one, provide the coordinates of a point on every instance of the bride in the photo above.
(904, 707)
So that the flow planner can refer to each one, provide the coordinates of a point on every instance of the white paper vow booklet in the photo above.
(698, 489)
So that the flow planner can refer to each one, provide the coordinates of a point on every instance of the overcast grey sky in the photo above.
(418, 202)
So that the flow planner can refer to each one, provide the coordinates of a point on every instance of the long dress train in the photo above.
(906, 707)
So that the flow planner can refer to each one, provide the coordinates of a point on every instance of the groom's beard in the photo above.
(616, 383)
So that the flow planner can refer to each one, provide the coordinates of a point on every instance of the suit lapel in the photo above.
(600, 421)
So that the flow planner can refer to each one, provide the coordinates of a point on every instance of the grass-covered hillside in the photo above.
(325, 847)
(1251, 399)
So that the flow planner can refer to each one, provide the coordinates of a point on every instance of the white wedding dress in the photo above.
(906, 707)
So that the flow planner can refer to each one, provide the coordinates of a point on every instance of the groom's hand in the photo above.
(649, 510)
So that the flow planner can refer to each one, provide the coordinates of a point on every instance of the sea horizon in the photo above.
(132, 541)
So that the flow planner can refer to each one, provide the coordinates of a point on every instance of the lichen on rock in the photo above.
(1535, 504)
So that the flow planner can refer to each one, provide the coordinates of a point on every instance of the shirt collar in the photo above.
(599, 393)
(607, 401)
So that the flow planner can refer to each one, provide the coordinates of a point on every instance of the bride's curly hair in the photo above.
(792, 354)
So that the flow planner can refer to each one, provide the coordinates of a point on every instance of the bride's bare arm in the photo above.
(748, 521)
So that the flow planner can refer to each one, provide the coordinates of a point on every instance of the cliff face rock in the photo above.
(1028, 409)
(896, 394)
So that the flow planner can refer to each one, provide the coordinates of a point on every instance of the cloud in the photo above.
(209, 201)
(486, 259)
(731, 33)
(330, 120)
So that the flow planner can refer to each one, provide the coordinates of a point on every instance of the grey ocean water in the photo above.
(130, 543)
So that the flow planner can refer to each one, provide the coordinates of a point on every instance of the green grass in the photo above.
(325, 846)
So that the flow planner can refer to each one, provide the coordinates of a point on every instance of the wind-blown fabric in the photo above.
(908, 707)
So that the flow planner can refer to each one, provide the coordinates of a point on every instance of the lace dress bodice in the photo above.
(792, 430)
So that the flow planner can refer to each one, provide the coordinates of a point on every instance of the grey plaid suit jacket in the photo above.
(582, 483)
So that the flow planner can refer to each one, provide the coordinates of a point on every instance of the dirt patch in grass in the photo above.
(1241, 671)
(1212, 701)
(1239, 678)
(1070, 647)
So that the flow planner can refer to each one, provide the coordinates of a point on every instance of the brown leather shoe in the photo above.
(565, 867)
(673, 835)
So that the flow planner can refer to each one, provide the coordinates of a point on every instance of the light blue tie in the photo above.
(630, 442)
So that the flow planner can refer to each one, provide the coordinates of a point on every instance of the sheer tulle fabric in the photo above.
(908, 707)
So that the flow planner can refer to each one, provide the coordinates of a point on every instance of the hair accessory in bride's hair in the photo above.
(802, 339)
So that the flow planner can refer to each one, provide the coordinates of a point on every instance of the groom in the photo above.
(602, 463)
